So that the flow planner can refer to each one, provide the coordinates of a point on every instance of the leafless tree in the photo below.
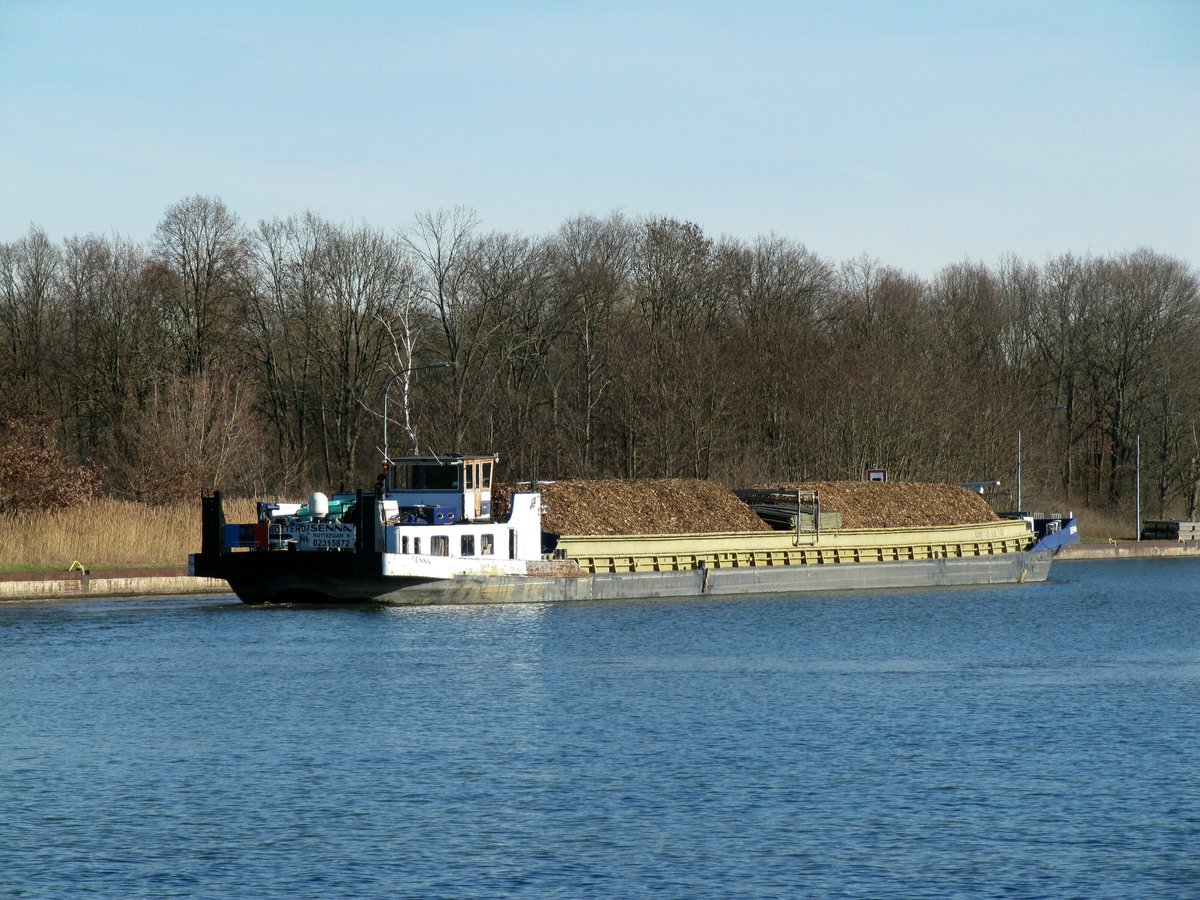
(195, 435)
(592, 259)
(29, 314)
(284, 318)
(444, 248)
(116, 352)
(366, 281)
(204, 253)
(778, 295)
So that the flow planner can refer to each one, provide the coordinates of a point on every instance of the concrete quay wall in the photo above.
(78, 586)
(1131, 550)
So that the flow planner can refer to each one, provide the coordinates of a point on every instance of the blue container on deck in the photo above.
(241, 536)
(442, 515)
(429, 515)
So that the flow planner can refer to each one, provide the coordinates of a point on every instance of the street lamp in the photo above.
(1019, 424)
(1137, 481)
(407, 370)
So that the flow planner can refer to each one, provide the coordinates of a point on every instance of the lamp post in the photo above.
(1137, 481)
(1019, 424)
(407, 370)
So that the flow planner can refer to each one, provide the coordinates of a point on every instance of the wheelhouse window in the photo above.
(434, 478)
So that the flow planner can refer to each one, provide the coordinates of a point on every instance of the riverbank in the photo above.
(26, 587)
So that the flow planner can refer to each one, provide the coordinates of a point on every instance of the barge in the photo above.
(427, 535)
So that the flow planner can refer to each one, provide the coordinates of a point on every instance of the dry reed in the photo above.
(107, 534)
(1101, 525)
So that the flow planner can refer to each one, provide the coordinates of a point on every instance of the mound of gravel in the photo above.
(636, 506)
(694, 506)
(869, 504)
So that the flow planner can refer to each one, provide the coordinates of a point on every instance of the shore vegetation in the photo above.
(256, 358)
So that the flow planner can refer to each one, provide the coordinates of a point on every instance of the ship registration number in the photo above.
(324, 536)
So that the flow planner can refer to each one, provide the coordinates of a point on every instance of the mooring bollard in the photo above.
(85, 577)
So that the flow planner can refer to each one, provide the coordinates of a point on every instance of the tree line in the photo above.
(254, 358)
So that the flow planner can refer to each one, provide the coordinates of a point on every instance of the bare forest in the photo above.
(255, 358)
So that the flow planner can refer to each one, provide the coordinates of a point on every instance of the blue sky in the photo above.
(919, 133)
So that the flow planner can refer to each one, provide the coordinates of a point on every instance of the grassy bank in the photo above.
(107, 534)
(1104, 525)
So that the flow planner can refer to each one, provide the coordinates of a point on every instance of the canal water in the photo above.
(1024, 741)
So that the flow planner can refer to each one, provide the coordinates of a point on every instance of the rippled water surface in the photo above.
(1031, 741)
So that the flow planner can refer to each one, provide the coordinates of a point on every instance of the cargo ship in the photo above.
(431, 533)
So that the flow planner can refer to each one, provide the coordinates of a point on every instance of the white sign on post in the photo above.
(876, 474)
(324, 536)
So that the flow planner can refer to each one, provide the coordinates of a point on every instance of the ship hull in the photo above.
(351, 587)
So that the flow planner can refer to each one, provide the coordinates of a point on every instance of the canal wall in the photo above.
(78, 584)
(1130, 550)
